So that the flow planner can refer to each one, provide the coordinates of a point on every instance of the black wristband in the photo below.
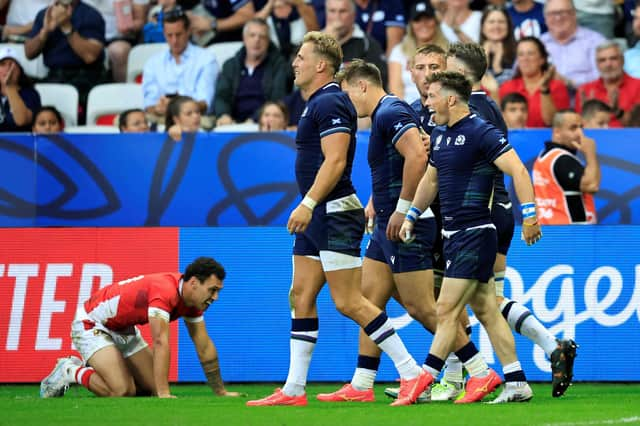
(619, 113)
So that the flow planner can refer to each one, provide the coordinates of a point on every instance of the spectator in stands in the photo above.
(461, 24)
(152, 30)
(597, 15)
(528, 18)
(273, 116)
(534, 79)
(20, 17)
(183, 69)
(423, 28)
(596, 114)
(572, 48)
(257, 73)
(632, 55)
(289, 21)
(70, 36)
(215, 21)
(382, 20)
(614, 87)
(18, 98)
(563, 186)
(514, 110)
(47, 120)
(123, 23)
(355, 43)
(499, 43)
(183, 115)
(133, 121)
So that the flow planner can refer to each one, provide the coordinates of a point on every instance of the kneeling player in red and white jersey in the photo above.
(117, 360)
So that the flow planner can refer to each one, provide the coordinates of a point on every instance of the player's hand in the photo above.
(166, 396)
(406, 232)
(299, 219)
(393, 227)
(531, 232)
(370, 215)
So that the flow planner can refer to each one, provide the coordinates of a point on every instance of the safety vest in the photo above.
(551, 198)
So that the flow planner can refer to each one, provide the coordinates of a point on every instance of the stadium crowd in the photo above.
(531, 48)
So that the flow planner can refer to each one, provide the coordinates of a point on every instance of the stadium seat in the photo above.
(224, 50)
(32, 67)
(237, 127)
(64, 97)
(91, 129)
(111, 99)
(138, 55)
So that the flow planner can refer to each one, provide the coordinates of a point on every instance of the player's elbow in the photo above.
(337, 164)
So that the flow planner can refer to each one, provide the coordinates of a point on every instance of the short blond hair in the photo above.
(327, 47)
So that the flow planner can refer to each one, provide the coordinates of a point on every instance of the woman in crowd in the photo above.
(18, 97)
(183, 115)
(499, 42)
(534, 79)
(273, 116)
(423, 28)
(460, 23)
(47, 120)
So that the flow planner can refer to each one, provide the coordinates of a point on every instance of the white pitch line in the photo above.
(622, 420)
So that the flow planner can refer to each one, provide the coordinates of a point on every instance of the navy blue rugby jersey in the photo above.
(426, 122)
(390, 120)
(486, 108)
(328, 111)
(464, 156)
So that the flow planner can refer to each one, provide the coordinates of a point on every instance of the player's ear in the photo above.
(322, 64)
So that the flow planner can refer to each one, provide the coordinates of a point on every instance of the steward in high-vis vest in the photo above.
(564, 187)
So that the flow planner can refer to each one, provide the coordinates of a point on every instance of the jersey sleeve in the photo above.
(395, 123)
(494, 144)
(193, 315)
(333, 115)
(160, 300)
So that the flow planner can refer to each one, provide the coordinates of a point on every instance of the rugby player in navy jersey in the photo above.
(428, 59)
(466, 151)
(329, 223)
(398, 161)
(470, 59)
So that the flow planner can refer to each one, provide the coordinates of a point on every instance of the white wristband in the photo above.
(403, 206)
(309, 202)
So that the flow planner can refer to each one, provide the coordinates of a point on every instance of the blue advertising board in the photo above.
(219, 179)
(582, 282)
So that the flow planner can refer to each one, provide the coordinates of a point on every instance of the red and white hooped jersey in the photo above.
(124, 304)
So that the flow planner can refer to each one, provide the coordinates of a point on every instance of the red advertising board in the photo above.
(46, 273)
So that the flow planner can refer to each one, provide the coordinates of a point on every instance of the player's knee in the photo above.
(122, 390)
(423, 313)
(346, 307)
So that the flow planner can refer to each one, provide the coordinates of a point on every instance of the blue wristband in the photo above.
(413, 214)
(528, 210)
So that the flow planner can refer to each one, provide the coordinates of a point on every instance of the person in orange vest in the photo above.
(564, 187)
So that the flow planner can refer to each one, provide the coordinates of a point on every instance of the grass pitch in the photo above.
(584, 404)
